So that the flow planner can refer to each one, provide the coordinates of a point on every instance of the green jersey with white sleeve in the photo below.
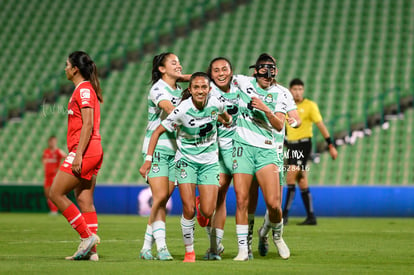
(253, 127)
(231, 100)
(197, 130)
(161, 91)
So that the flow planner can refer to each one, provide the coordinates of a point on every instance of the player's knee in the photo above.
(188, 211)
(207, 210)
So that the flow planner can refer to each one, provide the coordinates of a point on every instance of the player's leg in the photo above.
(62, 185)
(215, 230)
(161, 180)
(306, 148)
(84, 197)
(187, 193)
(291, 177)
(186, 175)
(307, 200)
(242, 183)
(52, 207)
(244, 157)
(253, 197)
(267, 177)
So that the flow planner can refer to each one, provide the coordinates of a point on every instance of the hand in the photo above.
(77, 165)
(333, 152)
(145, 169)
(292, 122)
(258, 104)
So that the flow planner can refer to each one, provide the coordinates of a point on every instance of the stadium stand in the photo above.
(347, 52)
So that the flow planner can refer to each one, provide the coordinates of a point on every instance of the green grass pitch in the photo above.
(38, 243)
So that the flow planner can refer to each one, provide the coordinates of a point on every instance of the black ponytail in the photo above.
(159, 60)
(87, 68)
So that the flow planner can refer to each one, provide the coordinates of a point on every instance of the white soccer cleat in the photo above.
(93, 257)
(282, 248)
(85, 247)
(242, 256)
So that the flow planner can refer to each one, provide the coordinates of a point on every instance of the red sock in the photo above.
(92, 221)
(77, 221)
(52, 207)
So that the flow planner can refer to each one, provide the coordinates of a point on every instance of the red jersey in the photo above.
(52, 160)
(84, 96)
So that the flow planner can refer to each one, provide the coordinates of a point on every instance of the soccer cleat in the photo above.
(251, 257)
(84, 247)
(164, 255)
(146, 254)
(93, 257)
(285, 218)
(281, 246)
(263, 246)
(242, 256)
(211, 256)
(309, 221)
(189, 257)
(220, 251)
(202, 221)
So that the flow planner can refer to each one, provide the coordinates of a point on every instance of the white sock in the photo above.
(187, 228)
(208, 230)
(148, 238)
(250, 233)
(266, 225)
(242, 231)
(158, 231)
(219, 235)
(277, 229)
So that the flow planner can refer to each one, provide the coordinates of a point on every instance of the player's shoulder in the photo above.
(310, 103)
(281, 88)
(158, 86)
(239, 78)
(85, 90)
(185, 105)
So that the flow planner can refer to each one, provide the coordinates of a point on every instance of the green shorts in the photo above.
(200, 174)
(226, 161)
(163, 165)
(248, 159)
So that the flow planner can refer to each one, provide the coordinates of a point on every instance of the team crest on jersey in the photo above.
(155, 168)
(183, 174)
(213, 115)
(235, 165)
(269, 98)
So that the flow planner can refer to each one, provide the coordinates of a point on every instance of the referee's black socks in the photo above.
(290, 195)
(307, 201)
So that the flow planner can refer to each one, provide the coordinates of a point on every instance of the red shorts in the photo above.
(90, 165)
(48, 181)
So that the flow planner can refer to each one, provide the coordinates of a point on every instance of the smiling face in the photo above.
(199, 89)
(221, 74)
(172, 67)
(265, 82)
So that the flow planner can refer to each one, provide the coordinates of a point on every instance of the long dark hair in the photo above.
(87, 69)
(210, 66)
(186, 93)
(159, 60)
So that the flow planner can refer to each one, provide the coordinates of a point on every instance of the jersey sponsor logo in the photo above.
(85, 93)
(268, 142)
(70, 112)
(85, 102)
(175, 100)
(155, 168)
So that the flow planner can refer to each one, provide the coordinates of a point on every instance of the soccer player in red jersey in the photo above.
(51, 159)
(79, 170)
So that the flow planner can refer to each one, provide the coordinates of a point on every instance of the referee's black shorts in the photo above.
(299, 152)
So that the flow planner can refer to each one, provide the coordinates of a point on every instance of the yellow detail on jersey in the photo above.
(309, 114)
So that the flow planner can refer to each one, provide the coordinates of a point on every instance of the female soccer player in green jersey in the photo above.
(163, 97)
(254, 150)
(197, 153)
